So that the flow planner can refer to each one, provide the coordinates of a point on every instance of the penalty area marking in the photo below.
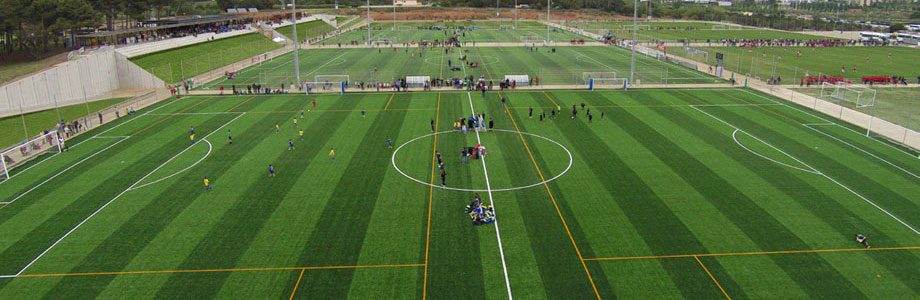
(567, 168)
(487, 59)
(180, 171)
(735, 137)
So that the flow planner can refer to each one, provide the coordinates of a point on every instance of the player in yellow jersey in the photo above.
(295, 122)
(332, 154)
(207, 184)
(301, 134)
(277, 128)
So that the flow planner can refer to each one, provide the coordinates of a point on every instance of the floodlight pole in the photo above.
(632, 68)
(515, 14)
(548, 21)
(394, 15)
(368, 22)
(296, 44)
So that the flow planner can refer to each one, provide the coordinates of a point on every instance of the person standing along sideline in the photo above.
(491, 124)
(230, 137)
(432, 125)
(463, 155)
(530, 114)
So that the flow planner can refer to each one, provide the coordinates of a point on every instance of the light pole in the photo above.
(368, 22)
(548, 21)
(632, 68)
(515, 14)
(296, 44)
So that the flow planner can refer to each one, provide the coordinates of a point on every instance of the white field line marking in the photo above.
(83, 141)
(819, 172)
(864, 151)
(1, 203)
(323, 65)
(489, 189)
(737, 104)
(735, 137)
(117, 196)
(65, 170)
(180, 171)
(826, 120)
(110, 137)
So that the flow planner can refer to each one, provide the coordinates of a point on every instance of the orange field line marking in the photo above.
(388, 101)
(567, 231)
(217, 270)
(713, 277)
(169, 117)
(547, 96)
(297, 284)
(241, 103)
(754, 253)
(434, 150)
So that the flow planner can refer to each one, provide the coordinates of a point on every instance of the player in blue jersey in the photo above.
(271, 171)
(389, 144)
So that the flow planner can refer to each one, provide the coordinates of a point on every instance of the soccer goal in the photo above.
(22, 153)
(518, 79)
(331, 79)
(417, 80)
(506, 27)
(726, 27)
(597, 75)
(529, 39)
(859, 95)
(405, 28)
(640, 27)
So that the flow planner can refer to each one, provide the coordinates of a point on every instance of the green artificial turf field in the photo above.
(484, 32)
(816, 61)
(175, 64)
(565, 67)
(307, 30)
(687, 31)
(13, 131)
(692, 193)
(896, 105)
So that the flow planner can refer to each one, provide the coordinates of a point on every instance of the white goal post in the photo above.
(518, 79)
(331, 78)
(417, 80)
(24, 152)
(639, 26)
(726, 27)
(530, 39)
(859, 95)
(597, 75)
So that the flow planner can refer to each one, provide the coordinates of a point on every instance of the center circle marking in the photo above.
(571, 160)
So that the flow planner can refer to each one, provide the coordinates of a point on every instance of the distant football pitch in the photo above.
(567, 66)
(693, 193)
(479, 31)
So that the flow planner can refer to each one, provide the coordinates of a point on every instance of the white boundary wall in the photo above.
(89, 78)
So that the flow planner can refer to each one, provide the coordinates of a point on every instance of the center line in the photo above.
(489, 190)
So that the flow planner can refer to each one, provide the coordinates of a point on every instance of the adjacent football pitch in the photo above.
(858, 61)
(894, 104)
(687, 31)
(481, 32)
(567, 66)
(692, 193)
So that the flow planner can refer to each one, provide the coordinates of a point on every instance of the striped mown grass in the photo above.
(671, 194)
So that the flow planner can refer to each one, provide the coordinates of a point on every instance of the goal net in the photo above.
(506, 27)
(331, 78)
(607, 82)
(859, 95)
(404, 28)
(417, 80)
(640, 27)
(518, 79)
(26, 151)
(726, 27)
(531, 39)
(597, 75)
